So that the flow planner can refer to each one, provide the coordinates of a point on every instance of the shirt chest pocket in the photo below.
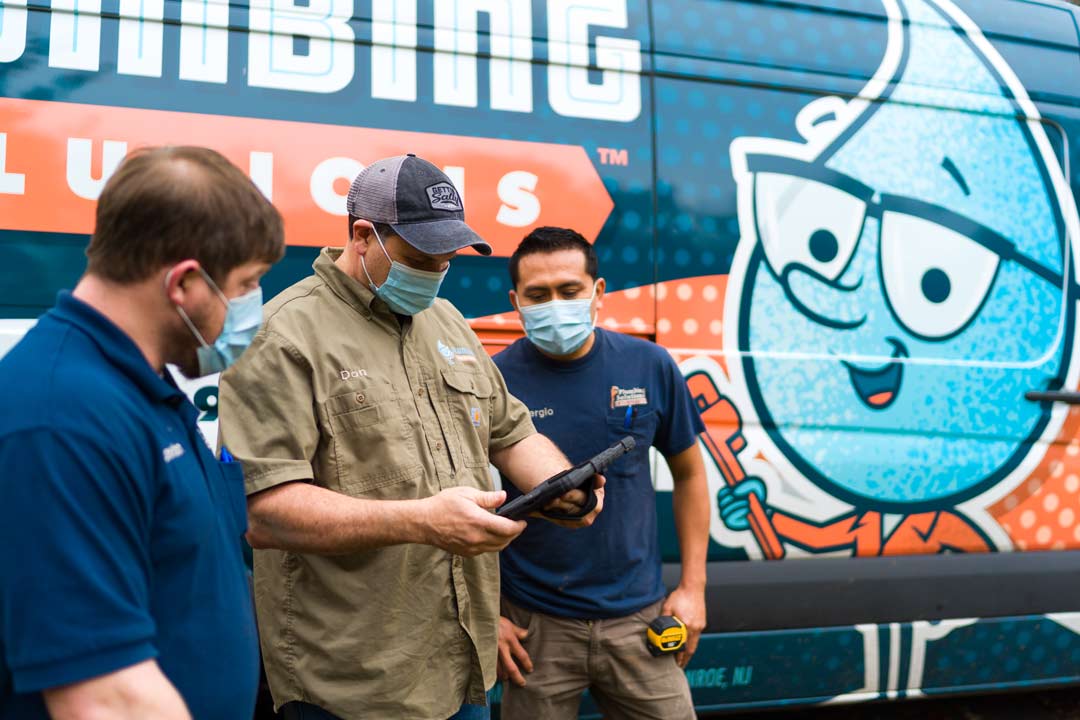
(641, 425)
(371, 448)
(467, 398)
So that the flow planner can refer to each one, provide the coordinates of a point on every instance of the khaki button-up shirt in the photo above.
(335, 390)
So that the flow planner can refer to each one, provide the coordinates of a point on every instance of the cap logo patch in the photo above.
(443, 196)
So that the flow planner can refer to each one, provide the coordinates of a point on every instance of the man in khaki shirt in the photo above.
(365, 414)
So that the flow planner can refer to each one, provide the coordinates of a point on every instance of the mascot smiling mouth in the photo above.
(878, 387)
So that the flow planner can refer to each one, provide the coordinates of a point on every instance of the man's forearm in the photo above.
(529, 462)
(304, 518)
(139, 692)
(690, 505)
(692, 529)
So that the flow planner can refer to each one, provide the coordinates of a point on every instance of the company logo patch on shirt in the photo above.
(443, 196)
(354, 373)
(456, 354)
(172, 452)
(626, 397)
(477, 418)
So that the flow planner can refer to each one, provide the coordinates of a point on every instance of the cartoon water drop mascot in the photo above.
(904, 277)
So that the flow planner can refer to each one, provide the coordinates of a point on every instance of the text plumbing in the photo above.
(322, 46)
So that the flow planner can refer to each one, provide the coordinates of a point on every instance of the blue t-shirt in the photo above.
(624, 386)
(120, 533)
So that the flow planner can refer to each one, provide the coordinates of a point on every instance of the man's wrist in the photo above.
(692, 583)
(414, 517)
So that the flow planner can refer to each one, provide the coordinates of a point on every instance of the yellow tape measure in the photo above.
(666, 634)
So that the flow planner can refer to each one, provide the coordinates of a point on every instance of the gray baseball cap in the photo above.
(418, 201)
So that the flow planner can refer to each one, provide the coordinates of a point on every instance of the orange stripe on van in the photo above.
(567, 189)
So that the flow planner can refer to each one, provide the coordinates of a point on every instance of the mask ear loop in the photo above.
(214, 286)
(364, 264)
(183, 313)
(594, 316)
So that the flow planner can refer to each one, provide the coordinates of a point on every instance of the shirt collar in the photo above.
(117, 347)
(355, 293)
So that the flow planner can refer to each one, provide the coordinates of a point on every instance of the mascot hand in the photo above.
(734, 506)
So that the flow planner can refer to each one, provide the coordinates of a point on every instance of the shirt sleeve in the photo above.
(510, 419)
(75, 525)
(267, 417)
(680, 421)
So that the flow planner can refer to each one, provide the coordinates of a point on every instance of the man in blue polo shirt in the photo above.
(576, 604)
(123, 592)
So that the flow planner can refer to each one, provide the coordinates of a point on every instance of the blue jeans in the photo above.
(306, 711)
(472, 712)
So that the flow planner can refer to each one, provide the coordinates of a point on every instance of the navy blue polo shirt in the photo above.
(119, 530)
(623, 386)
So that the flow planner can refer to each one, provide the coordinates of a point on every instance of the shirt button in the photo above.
(420, 392)
(360, 398)
(457, 561)
(438, 444)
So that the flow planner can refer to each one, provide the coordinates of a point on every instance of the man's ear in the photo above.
(362, 235)
(601, 285)
(514, 300)
(178, 280)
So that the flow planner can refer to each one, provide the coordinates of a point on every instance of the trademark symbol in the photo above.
(613, 156)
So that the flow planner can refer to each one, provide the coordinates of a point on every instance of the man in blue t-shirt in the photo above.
(123, 591)
(576, 604)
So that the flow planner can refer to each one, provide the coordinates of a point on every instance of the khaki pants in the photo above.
(607, 657)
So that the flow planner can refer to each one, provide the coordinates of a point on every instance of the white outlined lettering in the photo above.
(456, 45)
(79, 162)
(618, 96)
(12, 30)
(274, 60)
(10, 183)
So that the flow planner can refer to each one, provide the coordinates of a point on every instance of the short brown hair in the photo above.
(168, 204)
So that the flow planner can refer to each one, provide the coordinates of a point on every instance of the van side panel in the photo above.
(803, 337)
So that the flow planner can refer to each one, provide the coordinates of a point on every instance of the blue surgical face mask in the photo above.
(243, 316)
(406, 290)
(559, 327)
